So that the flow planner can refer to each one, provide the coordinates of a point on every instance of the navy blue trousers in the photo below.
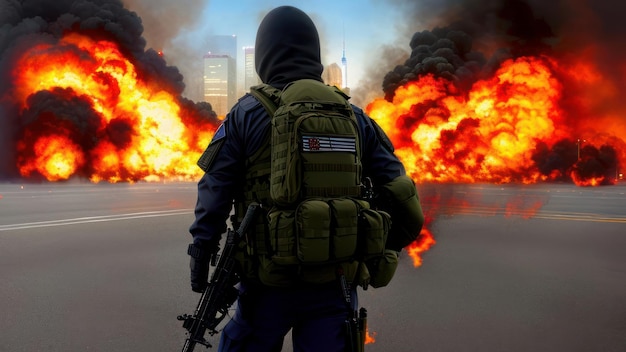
(315, 315)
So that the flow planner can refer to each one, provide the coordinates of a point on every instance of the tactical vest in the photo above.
(308, 179)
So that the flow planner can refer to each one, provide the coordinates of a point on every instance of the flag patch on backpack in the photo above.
(328, 144)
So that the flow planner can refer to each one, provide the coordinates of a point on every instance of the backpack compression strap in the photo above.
(268, 96)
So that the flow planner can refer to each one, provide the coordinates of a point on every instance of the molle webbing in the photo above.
(315, 145)
(327, 171)
(314, 192)
(257, 182)
(327, 167)
(258, 169)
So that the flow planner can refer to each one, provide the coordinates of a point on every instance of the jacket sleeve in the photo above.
(242, 132)
(380, 163)
(400, 199)
(214, 199)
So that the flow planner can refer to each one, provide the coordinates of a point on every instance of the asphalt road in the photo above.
(87, 267)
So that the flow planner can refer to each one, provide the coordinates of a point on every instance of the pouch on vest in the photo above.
(316, 232)
(383, 268)
(373, 227)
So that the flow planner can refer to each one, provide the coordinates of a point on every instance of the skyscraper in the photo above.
(220, 73)
(250, 77)
(220, 82)
(332, 75)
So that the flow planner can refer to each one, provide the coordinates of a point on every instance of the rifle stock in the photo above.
(220, 293)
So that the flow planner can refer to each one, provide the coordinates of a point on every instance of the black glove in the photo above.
(199, 265)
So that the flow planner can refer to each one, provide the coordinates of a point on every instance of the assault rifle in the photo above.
(220, 293)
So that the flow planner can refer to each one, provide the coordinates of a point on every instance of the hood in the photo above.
(287, 47)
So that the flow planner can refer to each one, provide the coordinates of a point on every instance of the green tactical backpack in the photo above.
(315, 144)
(317, 220)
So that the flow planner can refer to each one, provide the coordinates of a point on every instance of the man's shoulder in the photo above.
(248, 103)
(361, 117)
(357, 110)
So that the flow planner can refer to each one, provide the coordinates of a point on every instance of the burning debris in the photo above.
(513, 110)
(86, 99)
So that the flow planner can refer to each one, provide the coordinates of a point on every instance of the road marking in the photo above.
(529, 214)
(92, 219)
(590, 218)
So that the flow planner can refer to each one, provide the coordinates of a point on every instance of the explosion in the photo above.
(526, 105)
(89, 102)
(487, 137)
(510, 127)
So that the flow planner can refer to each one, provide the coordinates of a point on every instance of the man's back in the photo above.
(238, 165)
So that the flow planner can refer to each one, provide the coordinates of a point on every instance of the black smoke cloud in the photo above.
(470, 41)
(165, 22)
(576, 158)
(461, 40)
(27, 22)
(495, 30)
(510, 28)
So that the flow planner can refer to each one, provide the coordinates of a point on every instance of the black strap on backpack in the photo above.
(269, 97)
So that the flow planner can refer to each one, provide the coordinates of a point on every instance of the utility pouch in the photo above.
(373, 228)
(345, 224)
(313, 232)
(382, 269)
(282, 232)
(319, 231)
(326, 230)
(313, 238)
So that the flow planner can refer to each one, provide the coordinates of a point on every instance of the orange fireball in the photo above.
(57, 158)
(509, 127)
(142, 131)
(486, 135)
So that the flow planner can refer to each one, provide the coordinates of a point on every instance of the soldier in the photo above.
(237, 169)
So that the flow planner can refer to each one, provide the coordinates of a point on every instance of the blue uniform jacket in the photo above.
(244, 129)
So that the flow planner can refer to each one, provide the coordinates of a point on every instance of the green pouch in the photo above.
(374, 226)
(382, 269)
(345, 218)
(313, 232)
(282, 234)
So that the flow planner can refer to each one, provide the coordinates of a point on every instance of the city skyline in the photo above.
(345, 29)
(357, 32)
(227, 75)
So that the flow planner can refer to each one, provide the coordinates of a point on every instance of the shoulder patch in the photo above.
(219, 133)
(206, 159)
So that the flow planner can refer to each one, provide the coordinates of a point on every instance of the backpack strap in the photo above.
(267, 95)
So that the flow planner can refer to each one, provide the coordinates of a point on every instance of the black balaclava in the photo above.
(287, 47)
